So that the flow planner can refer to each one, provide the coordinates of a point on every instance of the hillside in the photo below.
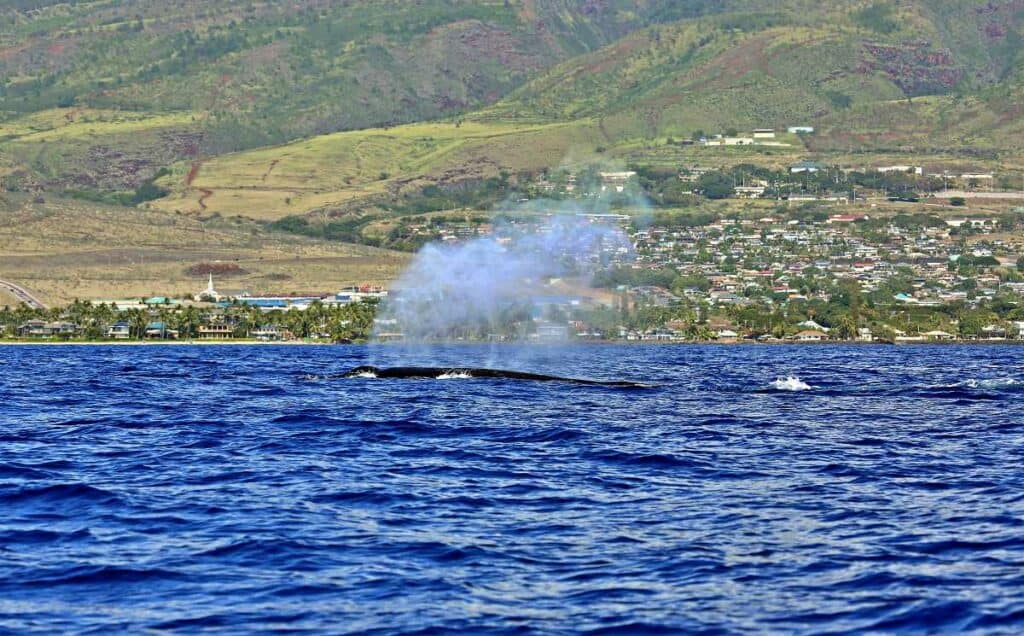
(329, 171)
(342, 111)
(870, 77)
(226, 75)
(63, 250)
(837, 65)
(193, 80)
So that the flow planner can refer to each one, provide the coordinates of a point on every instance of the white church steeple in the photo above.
(209, 293)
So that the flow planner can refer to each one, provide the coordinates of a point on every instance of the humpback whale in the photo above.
(367, 371)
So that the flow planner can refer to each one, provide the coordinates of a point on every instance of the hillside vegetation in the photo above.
(246, 74)
(833, 63)
(330, 170)
(869, 76)
(267, 110)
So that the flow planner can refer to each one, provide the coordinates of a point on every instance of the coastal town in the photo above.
(807, 252)
(777, 278)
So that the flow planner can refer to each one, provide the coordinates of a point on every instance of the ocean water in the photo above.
(768, 489)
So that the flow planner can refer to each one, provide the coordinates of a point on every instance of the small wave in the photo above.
(59, 493)
(42, 536)
(257, 550)
(104, 575)
(455, 375)
(986, 383)
(790, 383)
(653, 460)
(20, 471)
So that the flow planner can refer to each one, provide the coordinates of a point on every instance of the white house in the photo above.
(810, 336)
(119, 331)
(730, 141)
(806, 166)
(616, 180)
(749, 192)
(918, 170)
(1018, 326)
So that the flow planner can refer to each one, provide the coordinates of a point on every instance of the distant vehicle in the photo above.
(905, 198)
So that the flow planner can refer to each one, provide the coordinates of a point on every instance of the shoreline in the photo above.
(657, 343)
(158, 343)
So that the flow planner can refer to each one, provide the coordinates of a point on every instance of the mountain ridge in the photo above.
(605, 74)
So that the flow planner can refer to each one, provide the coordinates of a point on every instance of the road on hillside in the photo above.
(22, 294)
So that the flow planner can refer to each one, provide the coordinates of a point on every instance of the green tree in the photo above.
(716, 185)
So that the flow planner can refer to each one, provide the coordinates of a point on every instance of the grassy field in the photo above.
(70, 249)
(329, 170)
(8, 299)
(71, 124)
(92, 149)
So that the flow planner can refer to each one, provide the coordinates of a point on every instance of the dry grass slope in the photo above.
(270, 183)
(70, 249)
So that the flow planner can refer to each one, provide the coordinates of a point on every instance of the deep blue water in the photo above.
(228, 489)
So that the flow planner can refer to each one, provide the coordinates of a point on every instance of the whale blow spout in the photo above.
(442, 373)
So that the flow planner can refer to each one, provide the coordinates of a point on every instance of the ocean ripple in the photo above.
(758, 490)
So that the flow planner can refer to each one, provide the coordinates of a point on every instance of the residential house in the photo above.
(616, 181)
(159, 330)
(119, 331)
(215, 331)
(730, 141)
(810, 324)
(33, 329)
(918, 170)
(749, 192)
(43, 329)
(552, 332)
(810, 335)
(272, 333)
(806, 166)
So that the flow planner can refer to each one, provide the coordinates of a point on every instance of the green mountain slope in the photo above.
(268, 71)
(102, 97)
(835, 64)
(258, 72)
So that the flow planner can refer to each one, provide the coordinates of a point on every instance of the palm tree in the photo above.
(187, 322)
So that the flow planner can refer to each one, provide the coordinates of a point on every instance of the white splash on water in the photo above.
(790, 383)
(986, 383)
(369, 375)
(454, 375)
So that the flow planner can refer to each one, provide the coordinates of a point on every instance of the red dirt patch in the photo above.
(724, 69)
(192, 172)
(207, 193)
(220, 269)
(273, 164)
